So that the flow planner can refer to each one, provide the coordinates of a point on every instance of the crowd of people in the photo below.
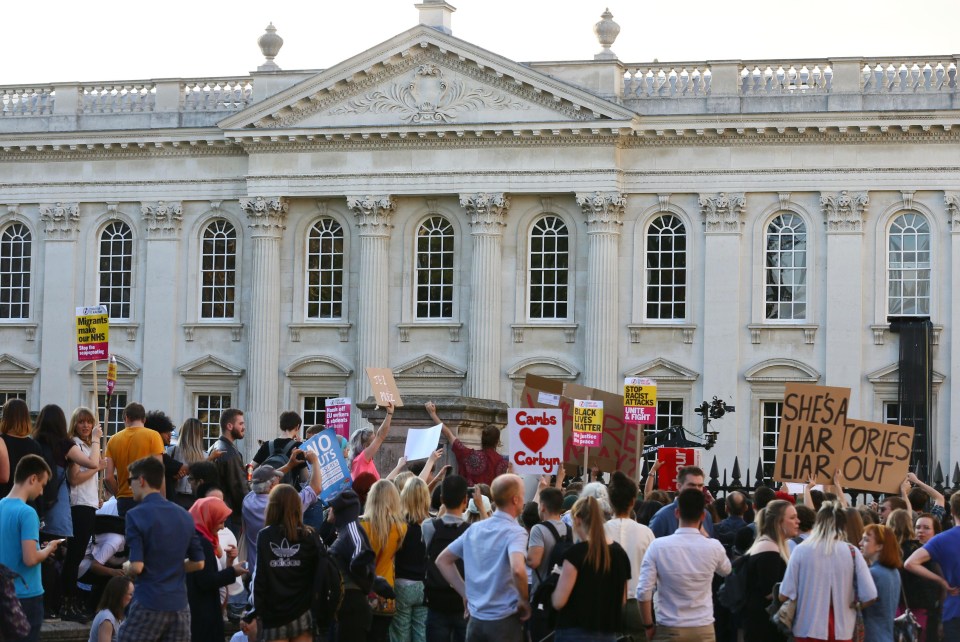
(153, 541)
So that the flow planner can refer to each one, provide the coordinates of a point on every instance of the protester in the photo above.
(352, 552)
(84, 501)
(765, 564)
(681, 566)
(736, 505)
(808, 518)
(410, 622)
(164, 546)
(925, 596)
(290, 423)
(174, 469)
(131, 444)
(943, 550)
(476, 466)
(20, 549)
(881, 551)
(927, 527)
(543, 538)
(282, 586)
(104, 557)
(383, 521)
(635, 539)
(891, 503)
(189, 450)
(493, 552)
(445, 621)
(921, 494)
(364, 444)
(230, 466)
(592, 588)
(203, 586)
(665, 522)
(820, 577)
(110, 611)
(15, 430)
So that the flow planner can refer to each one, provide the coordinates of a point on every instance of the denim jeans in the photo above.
(583, 635)
(509, 629)
(410, 622)
(33, 609)
(445, 627)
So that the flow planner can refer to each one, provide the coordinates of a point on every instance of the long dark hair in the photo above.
(113, 594)
(284, 510)
(51, 428)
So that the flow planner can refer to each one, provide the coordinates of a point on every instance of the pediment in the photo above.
(781, 371)
(423, 78)
(10, 365)
(891, 374)
(543, 367)
(661, 369)
(428, 366)
(210, 366)
(317, 366)
(125, 367)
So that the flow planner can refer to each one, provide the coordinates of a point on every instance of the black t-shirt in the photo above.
(17, 449)
(596, 602)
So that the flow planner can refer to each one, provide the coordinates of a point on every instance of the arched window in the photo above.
(218, 271)
(116, 269)
(549, 269)
(325, 270)
(785, 268)
(666, 269)
(908, 266)
(434, 269)
(15, 253)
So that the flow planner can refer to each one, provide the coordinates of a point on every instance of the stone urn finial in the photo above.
(607, 31)
(270, 44)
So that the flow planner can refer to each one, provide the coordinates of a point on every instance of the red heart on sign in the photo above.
(536, 439)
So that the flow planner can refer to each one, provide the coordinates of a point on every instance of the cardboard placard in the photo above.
(640, 401)
(93, 333)
(338, 415)
(587, 423)
(535, 440)
(334, 472)
(673, 460)
(384, 387)
(875, 456)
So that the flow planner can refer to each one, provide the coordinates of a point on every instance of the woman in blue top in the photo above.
(882, 552)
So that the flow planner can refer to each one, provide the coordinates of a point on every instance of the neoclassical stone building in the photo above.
(465, 219)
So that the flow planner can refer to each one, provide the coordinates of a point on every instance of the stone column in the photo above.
(604, 212)
(722, 326)
(163, 222)
(947, 447)
(266, 218)
(486, 211)
(844, 324)
(374, 215)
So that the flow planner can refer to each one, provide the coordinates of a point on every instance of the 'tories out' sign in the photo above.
(587, 422)
(536, 440)
(93, 333)
(639, 400)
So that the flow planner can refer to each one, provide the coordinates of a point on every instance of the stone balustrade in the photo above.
(226, 94)
(675, 80)
(777, 78)
(911, 76)
(118, 98)
(27, 101)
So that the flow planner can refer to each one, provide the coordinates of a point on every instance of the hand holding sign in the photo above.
(384, 387)
(535, 438)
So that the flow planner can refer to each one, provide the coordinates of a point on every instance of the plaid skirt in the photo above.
(303, 624)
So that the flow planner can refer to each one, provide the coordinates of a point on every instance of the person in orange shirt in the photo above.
(127, 446)
(386, 528)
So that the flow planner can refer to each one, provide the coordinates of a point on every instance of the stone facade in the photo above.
(428, 129)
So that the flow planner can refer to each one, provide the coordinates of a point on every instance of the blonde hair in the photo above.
(80, 414)
(587, 511)
(830, 527)
(191, 441)
(382, 512)
(416, 500)
(768, 523)
(902, 526)
(402, 479)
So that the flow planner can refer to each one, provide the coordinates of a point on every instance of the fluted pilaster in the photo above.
(604, 213)
(265, 217)
(373, 215)
(487, 213)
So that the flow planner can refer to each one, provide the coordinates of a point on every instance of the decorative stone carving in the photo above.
(373, 213)
(664, 200)
(784, 199)
(486, 211)
(844, 212)
(162, 219)
(952, 201)
(606, 31)
(604, 211)
(266, 213)
(722, 213)
(907, 196)
(428, 97)
(60, 221)
(270, 44)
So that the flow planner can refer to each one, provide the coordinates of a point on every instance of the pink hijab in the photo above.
(208, 513)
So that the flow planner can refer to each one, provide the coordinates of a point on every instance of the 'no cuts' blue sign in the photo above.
(334, 472)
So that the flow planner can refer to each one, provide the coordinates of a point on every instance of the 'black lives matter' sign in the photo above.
(817, 437)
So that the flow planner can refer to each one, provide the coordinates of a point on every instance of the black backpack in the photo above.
(327, 588)
(278, 458)
(437, 593)
(13, 623)
(543, 596)
(733, 593)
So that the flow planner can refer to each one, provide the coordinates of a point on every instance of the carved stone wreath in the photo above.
(429, 98)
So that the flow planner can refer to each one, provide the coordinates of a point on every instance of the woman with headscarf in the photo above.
(203, 586)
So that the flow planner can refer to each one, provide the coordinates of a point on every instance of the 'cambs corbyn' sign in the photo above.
(536, 440)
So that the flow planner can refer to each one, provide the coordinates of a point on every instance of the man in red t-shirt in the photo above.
(476, 466)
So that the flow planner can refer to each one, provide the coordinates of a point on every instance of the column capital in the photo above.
(843, 212)
(604, 211)
(374, 213)
(952, 201)
(722, 213)
(163, 219)
(61, 221)
(486, 211)
(266, 214)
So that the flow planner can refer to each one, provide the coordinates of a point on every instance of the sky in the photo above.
(65, 40)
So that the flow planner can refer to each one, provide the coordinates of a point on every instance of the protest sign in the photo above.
(639, 401)
(334, 472)
(384, 387)
(93, 333)
(811, 432)
(673, 460)
(535, 439)
(587, 422)
(421, 442)
(875, 456)
(338, 415)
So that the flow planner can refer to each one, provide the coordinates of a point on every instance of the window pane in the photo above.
(15, 253)
(785, 273)
(218, 262)
(908, 266)
(324, 280)
(116, 269)
(209, 408)
(666, 269)
(770, 412)
(548, 268)
(434, 269)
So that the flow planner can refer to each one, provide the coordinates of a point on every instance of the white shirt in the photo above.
(227, 539)
(634, 538)
(87, 493)
(681, 567)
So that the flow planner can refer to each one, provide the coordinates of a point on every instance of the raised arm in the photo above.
(431, 409)
(371, 451)
(93, 461)
(648, 486)
(932, 492)
(838, 486)
(316, 480)
(431, 462)
(399, 468)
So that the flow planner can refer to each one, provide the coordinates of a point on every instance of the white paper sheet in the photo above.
(421, 442)
(797, 488)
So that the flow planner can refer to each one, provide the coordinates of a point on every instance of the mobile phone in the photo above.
(246, 566)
